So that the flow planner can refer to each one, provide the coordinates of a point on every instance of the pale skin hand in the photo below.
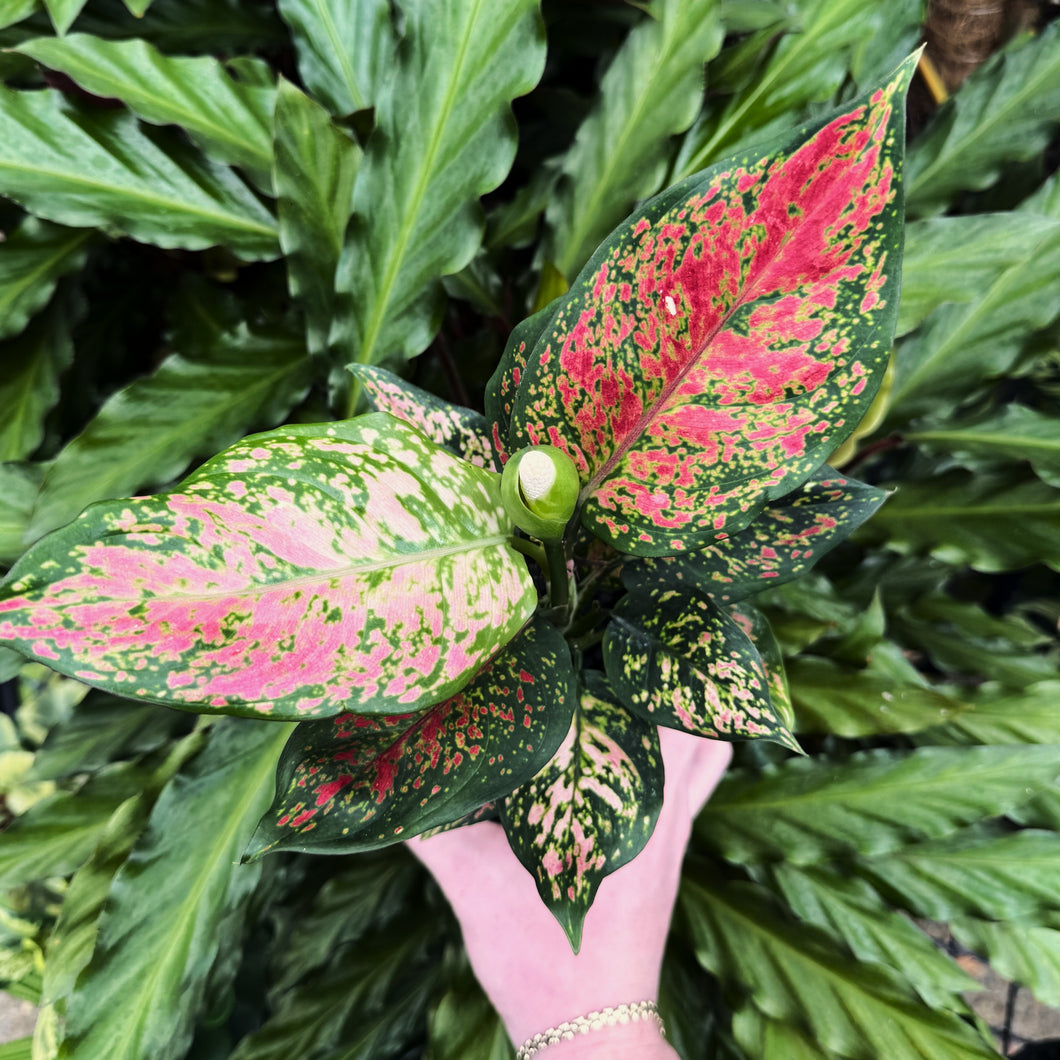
(521, 955)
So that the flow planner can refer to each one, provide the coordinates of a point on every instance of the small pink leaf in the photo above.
(726, 337)
(356, 782)
(591, 809)
(302, 572)
(460, 430)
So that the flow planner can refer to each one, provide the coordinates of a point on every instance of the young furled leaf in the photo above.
(784, 541)
(460, 430)
(676, 659)
(355, 782)
(727, 336)
(591, 809)
(303, 572)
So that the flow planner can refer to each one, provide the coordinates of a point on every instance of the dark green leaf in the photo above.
(186, 865)
(229, 120)
(345, 49)
(791, 971)
(996, 717)
(358, 782)
(676, 659)
(147, 433)
(18, 492)
(652, 89)
(443, 137)
(591, 809)
(992, 523)
(316, 164)
(785, 540)
(1005, 112)
(1023, 952)
(1016, 433)
(97, 169)
(30, 368)
(33, 258)
(873, 803)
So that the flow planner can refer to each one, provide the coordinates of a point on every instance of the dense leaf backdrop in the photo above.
(210, 207)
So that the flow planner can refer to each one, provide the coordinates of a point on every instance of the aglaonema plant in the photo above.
(474, 616)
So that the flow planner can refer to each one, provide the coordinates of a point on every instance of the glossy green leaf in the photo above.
(1024, 952)
(460, 430)
(355, 782)
(954, 259)
(316, 164)
(793, 972)
(229, 120)
(806, 66)
(987, 872)
(443, 137)
(54, 836)
(1005, 112)
(12, 11)
(994, 717)
(591, 809)
(832, 698)
(769, 1039)
(33, 258)
(96, 168)
(652, 89)
(18, 491)
(465, 1026)
(724, 339)
(676, 659)
(873, 803)
(1015, 433)
(121, 1007)
(850, 911)
(965, 345)
(275, 550)
(785, 540)
(147, 433)
(345, 49)
(31, 366)
(965, 518)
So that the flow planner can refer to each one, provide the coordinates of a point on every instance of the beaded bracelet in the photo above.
(606, 1017)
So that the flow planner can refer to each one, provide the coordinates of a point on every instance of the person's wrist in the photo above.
(628, 1041)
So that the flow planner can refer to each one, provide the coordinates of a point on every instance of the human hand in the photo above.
(521, 955)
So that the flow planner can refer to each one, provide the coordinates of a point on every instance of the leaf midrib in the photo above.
(32, 276)
(1022, 441)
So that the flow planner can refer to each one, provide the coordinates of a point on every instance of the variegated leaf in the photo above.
(784, 541)
(460, 430)
(676, 659)
(303, 572)
(757, 627)
(727, 336)
(356, 782)
(591, 809)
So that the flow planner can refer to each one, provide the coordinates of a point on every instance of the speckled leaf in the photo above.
(726, 337)
(757, 627)
(676, 659)
(356, 782)
(591, 809)
(303, 572)
(783, 543)
(460, 430)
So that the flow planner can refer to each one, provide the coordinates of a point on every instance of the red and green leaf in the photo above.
(460, 430)
(676, 659)
(355, 782)
(591, 809)
(728, 335)
(303, 572)
(784, 542)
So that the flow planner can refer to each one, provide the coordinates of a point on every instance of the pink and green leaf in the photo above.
(356, 782)
(728, 335)
(676, 659)
(591, 809)
(757, 627)
(785, 540)
(460, 430)
(301, 573)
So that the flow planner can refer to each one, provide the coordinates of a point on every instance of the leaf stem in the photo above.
(558, 582)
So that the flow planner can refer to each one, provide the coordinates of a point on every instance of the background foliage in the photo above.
(186, 260)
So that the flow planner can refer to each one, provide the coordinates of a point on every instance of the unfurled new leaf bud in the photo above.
(539, 488)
